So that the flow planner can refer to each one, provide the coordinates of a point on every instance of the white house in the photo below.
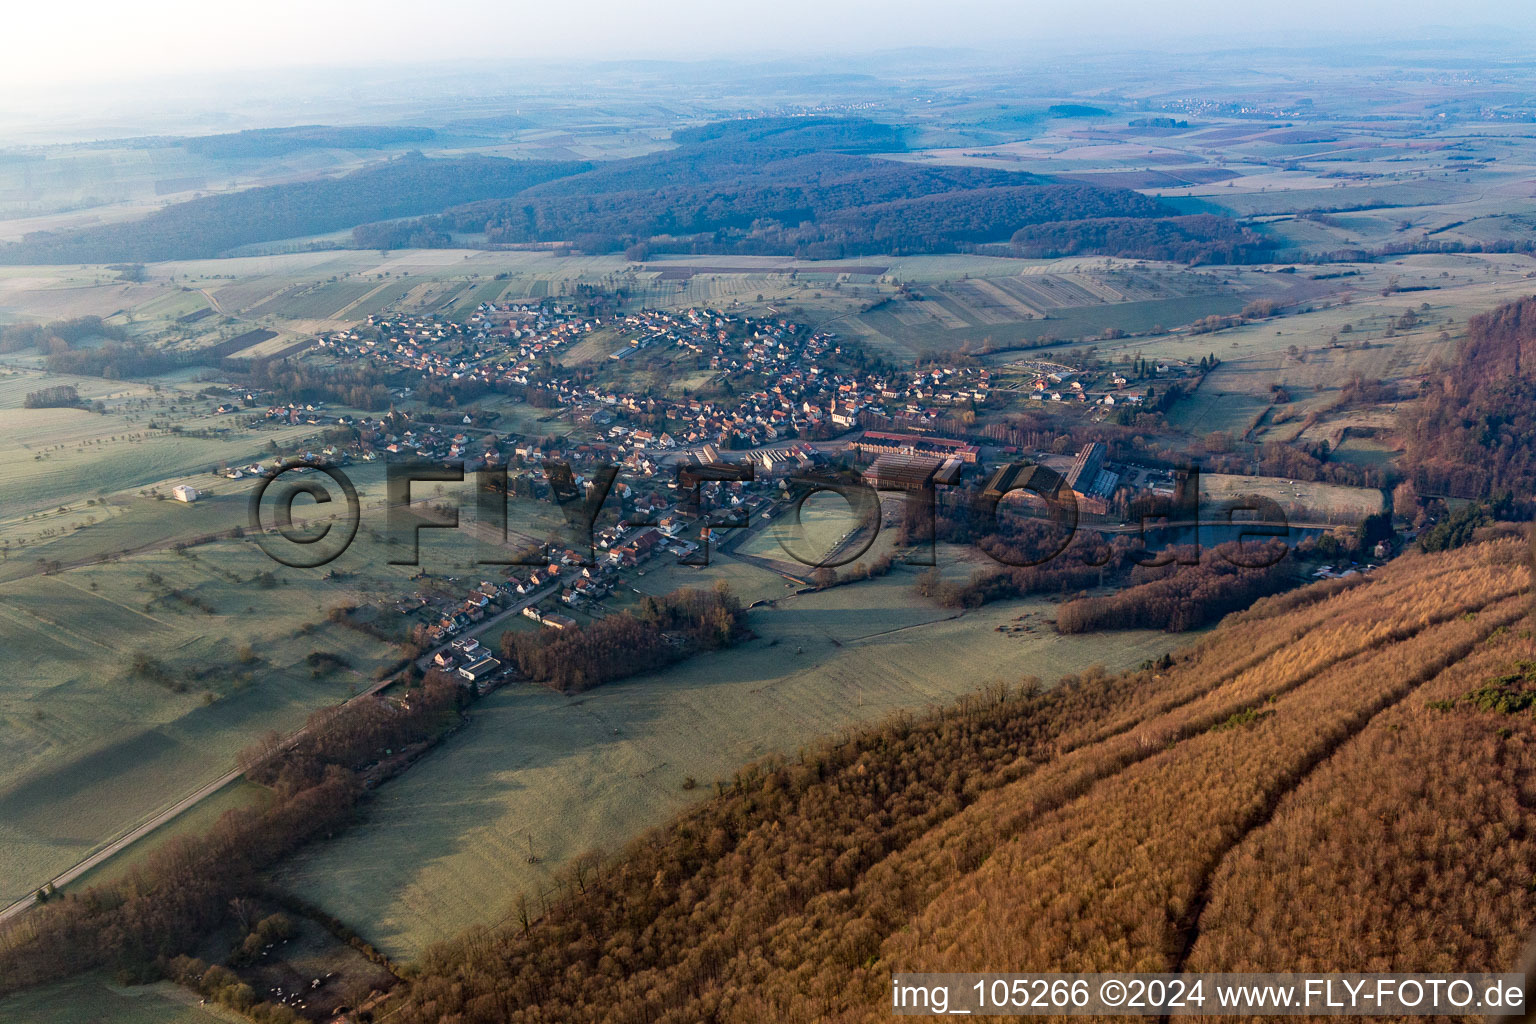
(185, 492)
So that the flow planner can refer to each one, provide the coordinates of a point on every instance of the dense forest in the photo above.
(1179, 597)
(1193, 814)
(201, 228)
(806, 187)
(1469, 435)
(660, 631)
(1200, 238)
(809, 187)
(811, 204)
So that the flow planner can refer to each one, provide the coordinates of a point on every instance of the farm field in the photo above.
(1211, 410)
(1364, 452)
(80, 725)
(92, 745)
(92, 999)
(315, 303)
(824, 520)
(1335, 503)
(78, 291)
(884, 329)
(1316, 189)
(91, 181)
(54, 456)
(750, 582)
(196, 820)
(597, 346)
(326, 290)
(1317, 352)
(1316, 194)
(552, 776)
(1454, 287)
(975, 303)
(967, 301)
(15, 228)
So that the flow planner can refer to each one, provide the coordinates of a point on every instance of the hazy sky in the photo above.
(56, 41)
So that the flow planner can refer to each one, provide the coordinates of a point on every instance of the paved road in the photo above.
(120, 844)
(425, 660)
(24, 904)
(191, 800)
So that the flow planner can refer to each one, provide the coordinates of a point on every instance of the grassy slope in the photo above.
(1120, 827)
(87, 750)
(93, 1000)
(447, 845)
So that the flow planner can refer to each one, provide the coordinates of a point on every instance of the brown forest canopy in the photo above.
(1471, 433)
(659, 631)
(1193, 815)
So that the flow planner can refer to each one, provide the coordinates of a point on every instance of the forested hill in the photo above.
(1469, 435)
(1257, 804)
(212, 225)
(750, 138)
(808, 187)
(815, 205)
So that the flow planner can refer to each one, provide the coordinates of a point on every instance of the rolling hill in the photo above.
(815, 188)
(1337, 779)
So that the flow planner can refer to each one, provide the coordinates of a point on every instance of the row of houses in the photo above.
(801, 393)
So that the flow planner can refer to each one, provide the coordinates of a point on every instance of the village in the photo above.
(772, 397)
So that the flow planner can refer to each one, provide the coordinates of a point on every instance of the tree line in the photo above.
(256, 143)
(1013, 542)
(1178, 597)
(662, 630)
(58, 335)
(816, 191)
(1196, 239)
(182, 892)
(1469, 433)
(60, 396)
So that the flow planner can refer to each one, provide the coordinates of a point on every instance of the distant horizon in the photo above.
(64, 47)
(363, 85)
